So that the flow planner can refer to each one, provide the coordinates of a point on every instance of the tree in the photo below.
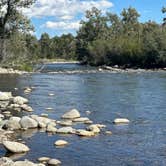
(90, 30)
(45, 46)
(164, 19)
(12, 19)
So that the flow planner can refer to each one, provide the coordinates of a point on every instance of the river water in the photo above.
(140, 97)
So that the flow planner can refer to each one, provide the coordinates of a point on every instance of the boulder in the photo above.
(93, 128)
(20, 100)
(71, 114)
(83, 119)
(5, 96)
(26, 108)
(15, 147)
(43, 159)
(84, 133)
(60, 143)
(51, 128)
(65, 130)
(121, 121)
(54, 162)
(12, 124)
(27, 122)
(5, 161)
(65, 123)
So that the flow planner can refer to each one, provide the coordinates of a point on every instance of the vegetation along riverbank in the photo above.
(102, 39)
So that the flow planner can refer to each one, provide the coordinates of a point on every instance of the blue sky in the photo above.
(57, 17)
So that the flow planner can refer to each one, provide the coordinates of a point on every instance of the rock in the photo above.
(12, 124)
(51, 128)
(2, 116)
(108, 132)
(54, 162)
(20, 100)
(44, 115)
(83, 119)
(71, 114)
(88, 112)
(43, 120)
(88, 122)
(5, 161)
(24, 163)
(65, 123)
(14, 107)
(15, 118)
(5, 96)
(42, 125)
(100, 126)
(27, 122)
(65, 130)
(15, 147)
(4, 104)
(60, 143)
(27, 90)
(26, 108)
(43, 159)
(84, 133)
(121, 121)
(93, 128)
(51, 94)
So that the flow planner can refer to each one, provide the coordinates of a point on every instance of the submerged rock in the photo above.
(15, 147)
(71, 114)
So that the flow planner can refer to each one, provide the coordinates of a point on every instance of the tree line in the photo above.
(103, 39)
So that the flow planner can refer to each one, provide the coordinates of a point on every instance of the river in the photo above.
(140, 97)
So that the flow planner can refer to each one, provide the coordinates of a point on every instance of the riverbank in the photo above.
(11, 71)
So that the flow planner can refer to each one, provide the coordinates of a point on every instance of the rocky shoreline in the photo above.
(11, 71)
(117, 69)
(10, 124)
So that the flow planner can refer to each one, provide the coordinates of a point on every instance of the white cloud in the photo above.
(62, 25)
(65, 8)
(64, 12)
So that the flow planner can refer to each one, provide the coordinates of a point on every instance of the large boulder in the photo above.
(20, 100)
(5, 96)
(13, 123)
(71, 114)
(15, 147)
(27, 122)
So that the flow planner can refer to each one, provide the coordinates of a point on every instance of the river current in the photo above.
(140, 97)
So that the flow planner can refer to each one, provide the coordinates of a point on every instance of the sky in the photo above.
(57, 17)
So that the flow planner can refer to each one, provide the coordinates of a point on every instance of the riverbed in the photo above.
(139, 97)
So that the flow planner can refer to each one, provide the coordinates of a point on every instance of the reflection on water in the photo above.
(139, 97)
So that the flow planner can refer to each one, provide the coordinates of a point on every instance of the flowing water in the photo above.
(140, 97)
